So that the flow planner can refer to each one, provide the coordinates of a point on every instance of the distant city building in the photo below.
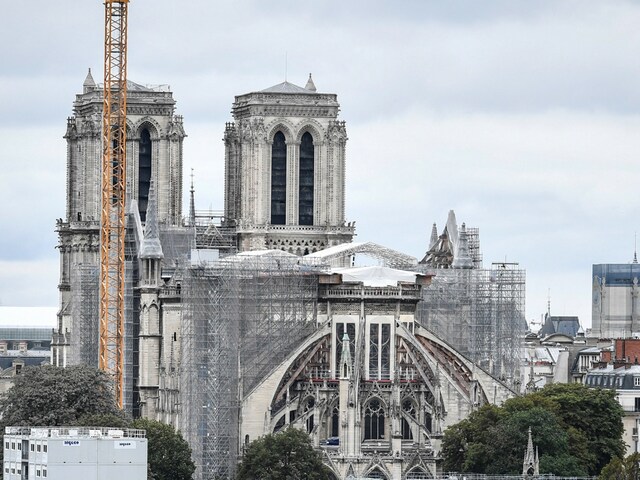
(569, 326)
(22, 347)
(615, 308)
(619, 370)
(74, 453)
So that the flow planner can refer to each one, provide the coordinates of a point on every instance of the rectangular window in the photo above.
(6, 445)
(38, 447)
(37, 472)
(44, 472)
(44, 447)
(13, 445)
(385, 352)
(637, 405)
(636, 381)
(33, 447)
(19, 446)
(373, 351)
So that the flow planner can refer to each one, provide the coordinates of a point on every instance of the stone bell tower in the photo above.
(285, 170)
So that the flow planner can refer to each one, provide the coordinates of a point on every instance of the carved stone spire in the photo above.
(89, 83)
(150, 246)
(192, 204)
(310, 85)
(530, 465)
(434, 236)
(462, 259)
(345, 358)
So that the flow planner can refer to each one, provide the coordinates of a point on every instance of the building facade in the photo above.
(80, 453)
(372, 387)
(615, 308)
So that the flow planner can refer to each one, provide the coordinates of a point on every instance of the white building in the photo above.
(625, 380)
(81, 453)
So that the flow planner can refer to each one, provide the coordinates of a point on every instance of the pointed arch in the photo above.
(375, 472)
(150, 124)
(310, 126)
(280, 125)
(417, 473)
(374, 416)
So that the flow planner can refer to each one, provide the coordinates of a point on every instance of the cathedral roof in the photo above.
(286, 87)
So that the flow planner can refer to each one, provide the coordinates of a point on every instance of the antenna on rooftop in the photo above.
(635, 247)
(549, 302)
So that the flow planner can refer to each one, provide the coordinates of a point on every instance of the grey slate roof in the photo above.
(559, 324)
(286, 87)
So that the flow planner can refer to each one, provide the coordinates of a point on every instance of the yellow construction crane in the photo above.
(112, 218)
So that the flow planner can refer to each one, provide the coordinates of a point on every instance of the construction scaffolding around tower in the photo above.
(243, 316)
(84, 334)
(480, 313)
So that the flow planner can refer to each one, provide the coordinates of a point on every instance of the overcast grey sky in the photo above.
(521, 116)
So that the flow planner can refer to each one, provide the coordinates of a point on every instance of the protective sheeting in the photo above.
(376, 276)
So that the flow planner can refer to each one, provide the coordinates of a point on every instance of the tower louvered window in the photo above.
(278, 180)
(144, 172)
(305, 198)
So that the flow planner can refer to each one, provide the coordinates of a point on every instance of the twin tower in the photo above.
(284, 184)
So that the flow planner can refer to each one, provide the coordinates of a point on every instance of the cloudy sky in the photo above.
(523, 117)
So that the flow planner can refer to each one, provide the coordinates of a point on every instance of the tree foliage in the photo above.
(169, 453)
(53, 396)
(618, 469)
(286, 455)
(577, 431)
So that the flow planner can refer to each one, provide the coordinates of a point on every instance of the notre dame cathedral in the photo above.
(243, 323)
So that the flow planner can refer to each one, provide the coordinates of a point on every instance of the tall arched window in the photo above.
(305, 197)
(278, 180)
(335, 421)
(374, 420)
(144, 172)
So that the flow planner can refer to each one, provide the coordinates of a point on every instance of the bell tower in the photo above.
(285, 170)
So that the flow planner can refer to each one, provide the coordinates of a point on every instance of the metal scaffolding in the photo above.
(84, 334)
(480, 313)
(243, 315)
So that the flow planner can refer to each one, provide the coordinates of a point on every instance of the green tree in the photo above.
(169, 453)
(563, 420)
(286, 455)
(50, 396)
(617, 469)
(83, 396)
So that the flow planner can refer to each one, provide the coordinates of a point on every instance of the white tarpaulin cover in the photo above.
(376, 276)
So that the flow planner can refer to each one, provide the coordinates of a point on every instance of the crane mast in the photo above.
(112, 217)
